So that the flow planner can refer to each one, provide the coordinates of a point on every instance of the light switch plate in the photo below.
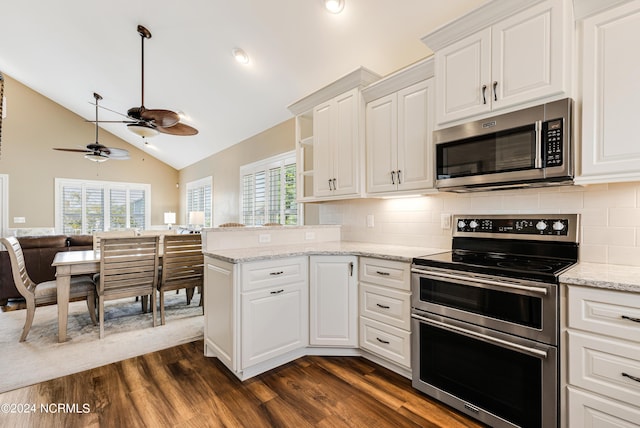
(265, 237)
(370, 221)
(309, 236)
(445, 221)
(19, 220)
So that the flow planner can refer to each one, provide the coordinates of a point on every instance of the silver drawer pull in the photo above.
(382, 306)
(624, 317)
(637, 379)
(386, 342)
(276, 273)
(379, 272)
(277, 292)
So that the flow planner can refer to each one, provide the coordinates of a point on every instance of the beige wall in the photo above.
(33, 126)
(224, 167)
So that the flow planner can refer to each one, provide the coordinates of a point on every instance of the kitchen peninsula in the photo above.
(273, 294)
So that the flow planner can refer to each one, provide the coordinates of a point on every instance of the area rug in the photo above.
(128, 333)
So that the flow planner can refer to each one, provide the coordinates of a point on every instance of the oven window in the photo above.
(501, 381)
(504, 151)
(512, 307)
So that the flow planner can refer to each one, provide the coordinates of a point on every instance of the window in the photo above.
(199, 197)
(269, 191)
(84, 207)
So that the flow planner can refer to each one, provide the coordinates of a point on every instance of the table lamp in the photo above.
(196, 218)
(169, 219)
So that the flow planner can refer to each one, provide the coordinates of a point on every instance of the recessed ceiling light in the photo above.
(334, 6)
(240, 56)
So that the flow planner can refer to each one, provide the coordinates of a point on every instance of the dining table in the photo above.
(68, 264)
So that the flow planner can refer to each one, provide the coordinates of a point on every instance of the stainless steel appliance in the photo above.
(485, 318)
(525, 148)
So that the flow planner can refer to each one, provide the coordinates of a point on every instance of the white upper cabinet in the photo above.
(520, 54)
(610, 94)
(399, 124)
(330, 139)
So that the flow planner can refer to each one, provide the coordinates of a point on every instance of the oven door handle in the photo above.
(505, 284)
(483, 337)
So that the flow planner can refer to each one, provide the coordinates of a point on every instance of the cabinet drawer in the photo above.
(386, 305)
(614, 313)
(606, 366)
(270, 273)
(387, 273)
(387, 341)
(588, 410)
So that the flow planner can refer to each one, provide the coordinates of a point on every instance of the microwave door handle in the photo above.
(538, 159)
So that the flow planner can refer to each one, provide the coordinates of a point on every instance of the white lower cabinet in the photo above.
(385, 309)
(333, 301)
(603, 358)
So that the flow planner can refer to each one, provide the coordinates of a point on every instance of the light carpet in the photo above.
(128, 333)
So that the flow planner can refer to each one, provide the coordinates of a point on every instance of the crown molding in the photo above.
(403, 78)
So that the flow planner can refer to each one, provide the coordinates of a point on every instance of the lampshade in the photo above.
(196, 217)
(142, 129)
(170, 218)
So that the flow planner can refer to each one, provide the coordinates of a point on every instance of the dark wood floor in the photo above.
(180, 387)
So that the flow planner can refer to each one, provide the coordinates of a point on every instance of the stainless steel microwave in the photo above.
(524, 148)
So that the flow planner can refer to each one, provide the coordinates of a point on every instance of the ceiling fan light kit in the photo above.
(240, 56)
(142, 129)
(334, 6)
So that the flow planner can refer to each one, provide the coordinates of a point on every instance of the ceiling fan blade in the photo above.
(73, 150)
(163, 118)
(110, 121)
(118, 153)
(178, 129)
(112, 111)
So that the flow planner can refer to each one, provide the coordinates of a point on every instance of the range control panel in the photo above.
(518, 226)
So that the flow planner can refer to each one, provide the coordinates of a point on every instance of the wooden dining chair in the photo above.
(128, 268)
(182, 267)
(44, 293)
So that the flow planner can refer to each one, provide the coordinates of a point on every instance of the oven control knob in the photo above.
(558, 225)
(541, 225)
(473, 224)
(461, 224)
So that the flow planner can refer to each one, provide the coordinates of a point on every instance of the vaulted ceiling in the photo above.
(68, 49)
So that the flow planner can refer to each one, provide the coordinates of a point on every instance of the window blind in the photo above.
(199, 198)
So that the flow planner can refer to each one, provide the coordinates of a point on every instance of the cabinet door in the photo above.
(345, 145)
(322, 140)
(611, 89)
(527, 55)
(273, 322)
(463, 69)
(415, 164)
(382, 139)
(333, 301)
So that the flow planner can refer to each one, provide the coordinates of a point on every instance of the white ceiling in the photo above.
(68, 49)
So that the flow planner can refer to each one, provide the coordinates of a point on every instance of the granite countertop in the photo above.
(601, 275)
(381, 251)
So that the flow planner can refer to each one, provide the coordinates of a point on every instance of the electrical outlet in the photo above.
(370, 221)
(264, 238)
(309, 236)
(445, 221)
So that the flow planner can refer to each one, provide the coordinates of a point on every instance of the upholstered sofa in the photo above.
(39, 252)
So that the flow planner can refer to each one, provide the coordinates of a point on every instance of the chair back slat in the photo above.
(128, 266)
(182, 261)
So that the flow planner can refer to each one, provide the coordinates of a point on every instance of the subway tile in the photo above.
(620, 217)
(612, 196)
(621, 236)
(593, 253)
(620, 255)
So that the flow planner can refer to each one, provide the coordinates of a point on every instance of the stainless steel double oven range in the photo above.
(485, 318)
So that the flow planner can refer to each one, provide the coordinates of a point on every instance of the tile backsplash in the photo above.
(609, 213)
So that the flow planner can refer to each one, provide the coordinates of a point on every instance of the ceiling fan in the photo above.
(149, 122)
(97, 152)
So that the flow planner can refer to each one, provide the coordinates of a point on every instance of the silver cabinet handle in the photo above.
(637, 379)
(277, 291)
(379, 272)
(399, 177)
(393, 177)
(382, 306)
(386, 342)
(280, 272)
(495, 92)
(624, 317)
(484, 94)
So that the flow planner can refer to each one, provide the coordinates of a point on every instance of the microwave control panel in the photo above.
(552, 134)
